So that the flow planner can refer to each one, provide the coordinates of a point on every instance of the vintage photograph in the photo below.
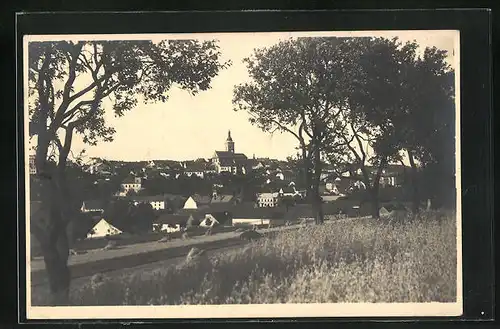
(276, 174)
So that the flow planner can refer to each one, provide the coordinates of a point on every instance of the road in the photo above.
(37, 264)
(108, 261)
(144, 271)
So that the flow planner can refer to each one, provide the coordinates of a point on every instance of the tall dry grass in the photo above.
(363, 260)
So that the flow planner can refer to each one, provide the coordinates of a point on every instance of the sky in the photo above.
(189, 127)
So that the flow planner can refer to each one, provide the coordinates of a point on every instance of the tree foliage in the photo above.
(360, 103)
(295, 88)
(71, 87)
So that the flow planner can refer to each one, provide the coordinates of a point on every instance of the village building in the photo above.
(248, 214)
(92, 206)
(224, 198)
(288, 191)
(198, 168)
(286, 175)
(197, 201)
(130, 184)
(265, 200)
(170, 223)
(103, 229)
(229, 161)
(158, 202)
(32, 165)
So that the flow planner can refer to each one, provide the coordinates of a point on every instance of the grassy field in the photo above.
(395, 260)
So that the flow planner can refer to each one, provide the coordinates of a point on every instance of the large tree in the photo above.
(373, 93)
(294, 88)
(71, 85)
(429, 141)
(406, 102)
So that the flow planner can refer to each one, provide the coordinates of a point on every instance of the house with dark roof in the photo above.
(171, 222)
(158, 202)
(92, 206)
(286, 175)
(268, 200)
(229, 161)
(216, 215)
(248, 214)
(197, 201)
(225, 198)
(130, 184)
(197, 168)
(287, 191)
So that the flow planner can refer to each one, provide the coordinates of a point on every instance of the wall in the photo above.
(250, 221)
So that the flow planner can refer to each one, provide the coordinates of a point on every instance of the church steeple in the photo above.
(229, 143)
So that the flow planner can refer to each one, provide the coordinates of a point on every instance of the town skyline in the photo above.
(188, 127)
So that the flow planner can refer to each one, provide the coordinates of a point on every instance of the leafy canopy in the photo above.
(68, 81)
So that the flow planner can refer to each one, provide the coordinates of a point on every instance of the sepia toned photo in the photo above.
(242, 175)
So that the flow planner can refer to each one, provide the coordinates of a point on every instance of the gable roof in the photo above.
(227, 154)
(223, 198)
(288, 189)
(231, 159)
(195, 167)
(172, 219)
(201, 199)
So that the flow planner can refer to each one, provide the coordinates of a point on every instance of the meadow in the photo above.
(361, 260)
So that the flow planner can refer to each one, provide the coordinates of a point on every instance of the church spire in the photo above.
(229, 143)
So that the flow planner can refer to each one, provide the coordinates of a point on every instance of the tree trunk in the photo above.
(317, 203)
(55, 254)
(414, 183)
(49, 227)
(374, 189)
(317, 200)
(375, 202)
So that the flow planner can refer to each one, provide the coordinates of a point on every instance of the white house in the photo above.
(32, 166)
(189, 173)
(158, 202)
(268, 199)
(248, 215)
(102, 229)
(171, 223)
(197, 168)
(134, 184)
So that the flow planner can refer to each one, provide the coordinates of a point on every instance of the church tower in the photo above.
(229, 143)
